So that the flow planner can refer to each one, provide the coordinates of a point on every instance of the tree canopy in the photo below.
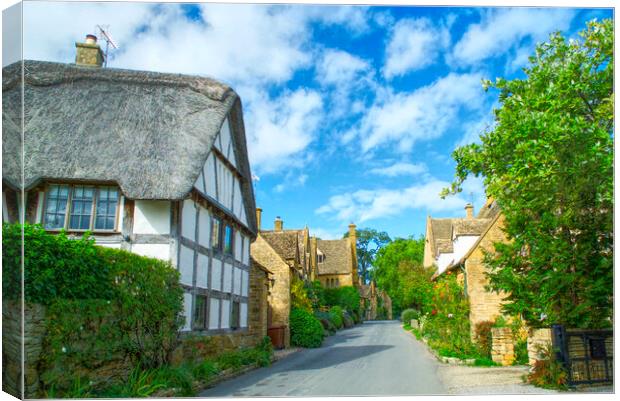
(369, 241)
(398, 270)
(548, 162)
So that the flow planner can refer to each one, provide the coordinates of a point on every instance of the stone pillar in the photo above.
(537, 339)
(503, 349)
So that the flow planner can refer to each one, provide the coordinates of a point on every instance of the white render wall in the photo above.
(151, 217)
(443, 261)
(462, 244)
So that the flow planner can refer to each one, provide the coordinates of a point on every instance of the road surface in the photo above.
(374, 358)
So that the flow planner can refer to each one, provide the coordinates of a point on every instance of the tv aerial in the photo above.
(104, 32)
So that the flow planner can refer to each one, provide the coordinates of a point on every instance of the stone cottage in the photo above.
(152, 163)
(458, 245)
(337, 261)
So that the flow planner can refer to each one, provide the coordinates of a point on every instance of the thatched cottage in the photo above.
(149, 162)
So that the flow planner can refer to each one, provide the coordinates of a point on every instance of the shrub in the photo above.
(484, 338)
(347, 320)
(346, 297)
(336, 316)
(54, 266)
(547, 371)
(299, 295)
(324, 318)
(408, 314)
(521, 355)
(316, 294)
(306, 330)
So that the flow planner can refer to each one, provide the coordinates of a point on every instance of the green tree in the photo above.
(388, 272)
(548, 162)
(369, 241)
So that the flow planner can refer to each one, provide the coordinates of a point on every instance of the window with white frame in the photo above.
(81, 207)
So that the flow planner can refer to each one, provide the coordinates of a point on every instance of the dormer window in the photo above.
(81, 207)
(320, 257)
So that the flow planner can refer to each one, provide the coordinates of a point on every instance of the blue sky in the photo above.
(351, 113)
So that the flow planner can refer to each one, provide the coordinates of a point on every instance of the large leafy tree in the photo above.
(369, 241)
(548, 162)
(398, 270)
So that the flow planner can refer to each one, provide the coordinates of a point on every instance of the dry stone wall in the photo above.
(537, 340)
(503, 350)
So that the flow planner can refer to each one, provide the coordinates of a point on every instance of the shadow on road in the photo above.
(338, 355)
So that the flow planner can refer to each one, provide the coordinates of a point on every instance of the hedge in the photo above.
(408, 314)
(336, 316)
(133, 299)
(306, 330)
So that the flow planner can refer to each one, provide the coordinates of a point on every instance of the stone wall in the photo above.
(280, 294)
(258, 302)
(503, 350)
(484, 305)
(344, 280)
(537, 339)
(12, 340)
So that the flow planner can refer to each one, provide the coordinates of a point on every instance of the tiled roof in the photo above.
(337, 256)
(469, 226)
(283, 242)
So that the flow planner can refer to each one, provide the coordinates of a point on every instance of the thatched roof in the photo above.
(148, 132)
(337, 256)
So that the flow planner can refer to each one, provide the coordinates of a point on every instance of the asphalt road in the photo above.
(375, 358)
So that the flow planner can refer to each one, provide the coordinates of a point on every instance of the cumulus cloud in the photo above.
(281, 128)
(413, 45)
(400, 169)
(501, 30)
(291, 180)
(426, 113)
(255, 48)
(364, 205)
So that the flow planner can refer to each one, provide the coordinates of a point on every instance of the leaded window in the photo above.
(200, 312)
(216, 241)
(228, 240)
(107, 200)
(234, 323)
(81, 207)
(56, 208)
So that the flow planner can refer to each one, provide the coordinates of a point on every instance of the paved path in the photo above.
(375, 358)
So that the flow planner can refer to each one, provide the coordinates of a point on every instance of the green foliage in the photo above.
(369, 242)
(521, 355)
(484, 338)
(150, 300)
(392, 273)
(500, 321)
(409, 314)
(316, 294)
(485, 362)
(306, 330)
(447, 325)
(347, 297)
(336, 316)
(548, 162)
(299, 295)
(548, 372)
(54, 266)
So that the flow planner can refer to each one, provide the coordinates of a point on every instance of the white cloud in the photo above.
(426, 113)
(254, 48)
(327, 234)
(338, 68)
(291, 180)
(414, 44)
(365, 205)
(502, 29)
(282, 128)
(398, 169)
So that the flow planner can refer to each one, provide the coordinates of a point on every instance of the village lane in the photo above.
(375, 358)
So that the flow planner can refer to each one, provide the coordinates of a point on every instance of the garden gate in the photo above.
(586, 354)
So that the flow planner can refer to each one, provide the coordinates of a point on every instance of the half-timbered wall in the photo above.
(215, 280)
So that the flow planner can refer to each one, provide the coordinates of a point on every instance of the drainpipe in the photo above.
(464, 279)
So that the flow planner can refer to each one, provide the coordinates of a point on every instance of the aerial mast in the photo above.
(103, 31)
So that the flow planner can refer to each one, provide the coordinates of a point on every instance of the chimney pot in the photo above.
(91, 39)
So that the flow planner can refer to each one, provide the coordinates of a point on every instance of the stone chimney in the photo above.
(259, 213)
(469, 211)
(277, 224)
(89, 53)
(353, 240)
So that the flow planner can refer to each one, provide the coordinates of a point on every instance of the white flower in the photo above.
(450, 315)
(543, 316)
(64, 349)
